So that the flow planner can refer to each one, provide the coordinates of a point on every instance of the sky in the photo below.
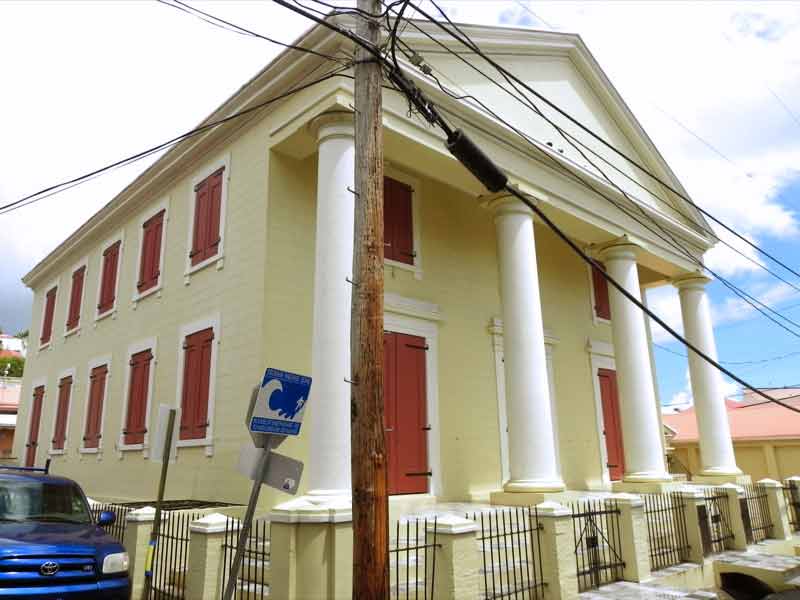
(716, 85)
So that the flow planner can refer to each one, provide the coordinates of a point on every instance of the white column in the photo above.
(329, 404)
(641, 426)
(716, 447)
(531, 439)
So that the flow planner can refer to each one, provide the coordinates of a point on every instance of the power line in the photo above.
(234, 28)
(754, 302)
(485, 171)
(527, 103)
(53, 189)
(734, 362)
(606, 143)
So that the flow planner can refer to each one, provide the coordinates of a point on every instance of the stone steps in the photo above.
(625, 590)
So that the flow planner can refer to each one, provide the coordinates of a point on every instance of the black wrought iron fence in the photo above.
(755, 513)
(171, 556)
(791, 494)
(252, 579)
(598, 543)
(715, 518)
(412, 559)
(117, 530)
(510, 546)
(666, 529)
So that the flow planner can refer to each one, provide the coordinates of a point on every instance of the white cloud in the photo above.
(684, 398)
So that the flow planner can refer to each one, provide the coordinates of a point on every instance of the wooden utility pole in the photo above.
(368, 466)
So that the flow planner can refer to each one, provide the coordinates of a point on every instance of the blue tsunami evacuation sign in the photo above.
(280, 403)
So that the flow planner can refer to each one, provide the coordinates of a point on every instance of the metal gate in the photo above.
(666, 529)
(511, 550)
(252, 577)
(412, 559)
(755, 514)
(171, 557)
(117, 530)
(595, 525)
(715, 518)
(791, 494)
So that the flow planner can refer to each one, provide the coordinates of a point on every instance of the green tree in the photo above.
(12, 366)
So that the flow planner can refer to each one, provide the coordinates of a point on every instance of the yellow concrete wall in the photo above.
(459, 263)
(235, 292)
(264, 294)
(774, 459)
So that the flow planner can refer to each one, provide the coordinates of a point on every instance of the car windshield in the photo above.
(26, 500)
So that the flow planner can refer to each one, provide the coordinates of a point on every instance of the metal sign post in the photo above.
(165, 460)
(263, 464)
(276, 410)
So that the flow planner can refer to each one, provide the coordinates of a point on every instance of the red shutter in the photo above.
(108, 281)
(150, 261)
(405, 413)
(94, 417)
(76, 294)
(47, 321)
(199, 237)
(196, 384)
(207, 210)
(612, 426)
(602, 306)
(135, 424)
(398, 230)
(62, 410)
(214, 211)
(33, 432)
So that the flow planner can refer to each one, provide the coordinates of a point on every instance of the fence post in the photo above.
(735, 494)
(560, 570)
(457, 564)
(693, 499)
(634, 542)
(137, 539)
(204, 571)
(777, 509)
(311, 550)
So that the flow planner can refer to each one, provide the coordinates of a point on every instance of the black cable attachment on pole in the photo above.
(481, 166)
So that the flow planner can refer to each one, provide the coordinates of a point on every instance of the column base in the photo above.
(720, 478)
(314, 509)
(647, 487)
(503, 498)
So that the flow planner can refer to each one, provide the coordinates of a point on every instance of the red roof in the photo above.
(749, 420)
(9, 354)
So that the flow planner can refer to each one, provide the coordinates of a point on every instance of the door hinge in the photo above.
(420, 474)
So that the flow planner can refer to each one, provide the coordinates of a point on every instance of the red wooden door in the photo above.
(33, 432)
(612, 428)
(405, 414)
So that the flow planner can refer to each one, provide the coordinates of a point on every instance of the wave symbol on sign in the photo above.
(286, 402)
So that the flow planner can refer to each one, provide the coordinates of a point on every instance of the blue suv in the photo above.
(50, 547)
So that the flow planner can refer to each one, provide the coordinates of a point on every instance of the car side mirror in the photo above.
(106, 518)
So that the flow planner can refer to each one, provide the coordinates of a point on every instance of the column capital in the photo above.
(333, 123)
(502, 203)
(621, 247)
(691, 281)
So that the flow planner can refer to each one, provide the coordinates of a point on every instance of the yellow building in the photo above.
(513, 376)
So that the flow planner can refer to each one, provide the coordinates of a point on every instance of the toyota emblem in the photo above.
(49, 568)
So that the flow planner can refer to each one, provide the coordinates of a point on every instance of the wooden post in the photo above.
(368, 464)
